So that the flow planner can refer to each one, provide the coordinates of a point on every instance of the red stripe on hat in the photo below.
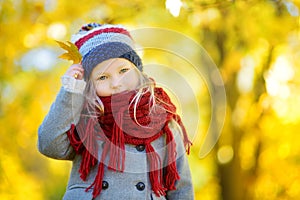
(81, 41)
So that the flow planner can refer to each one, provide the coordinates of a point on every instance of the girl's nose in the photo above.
(115, 83)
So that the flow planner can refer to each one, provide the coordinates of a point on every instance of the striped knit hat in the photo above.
(97, 43)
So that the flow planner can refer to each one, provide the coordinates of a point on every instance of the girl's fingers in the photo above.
(77, 67)
(76, 71)
(78, 75)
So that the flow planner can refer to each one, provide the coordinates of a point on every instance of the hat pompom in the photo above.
(88, 27)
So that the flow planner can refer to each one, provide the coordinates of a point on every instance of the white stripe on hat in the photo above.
(105, 38)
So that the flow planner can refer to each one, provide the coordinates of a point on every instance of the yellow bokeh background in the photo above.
(255, 46)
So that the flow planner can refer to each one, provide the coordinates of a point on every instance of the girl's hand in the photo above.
(76, 71)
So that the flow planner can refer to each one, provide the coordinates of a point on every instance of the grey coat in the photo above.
(131, 184)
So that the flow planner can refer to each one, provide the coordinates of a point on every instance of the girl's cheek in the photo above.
(99, 88)
(136, 84)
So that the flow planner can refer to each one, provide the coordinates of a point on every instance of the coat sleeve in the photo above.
(184, 187)
(53, 141)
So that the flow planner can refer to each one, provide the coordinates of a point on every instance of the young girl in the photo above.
(121, 132)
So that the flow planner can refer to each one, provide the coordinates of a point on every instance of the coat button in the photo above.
(105, 185)
(140, 147)
(140, 186)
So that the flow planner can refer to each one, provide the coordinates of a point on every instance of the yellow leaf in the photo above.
(72, 52)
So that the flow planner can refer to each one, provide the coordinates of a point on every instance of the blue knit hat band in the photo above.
(107, 51)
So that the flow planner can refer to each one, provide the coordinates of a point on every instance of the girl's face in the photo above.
(114, 76)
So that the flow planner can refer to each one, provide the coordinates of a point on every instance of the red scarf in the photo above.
(145, 126)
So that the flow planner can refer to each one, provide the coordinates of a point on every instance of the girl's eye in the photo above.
(102, 77)
(123, 70)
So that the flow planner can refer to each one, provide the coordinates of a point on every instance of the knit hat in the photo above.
(97, 43)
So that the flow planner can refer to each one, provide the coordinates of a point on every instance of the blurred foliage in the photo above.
(254, 43)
